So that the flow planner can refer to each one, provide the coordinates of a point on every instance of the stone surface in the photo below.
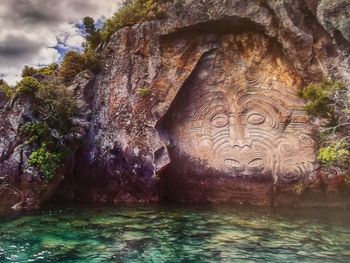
(21, 186)
(238, 63)
(239, 115)
(200, 106)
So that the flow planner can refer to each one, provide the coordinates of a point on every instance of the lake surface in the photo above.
(176, 234)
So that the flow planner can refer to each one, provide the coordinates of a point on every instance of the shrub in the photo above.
(143, 92)
(131, 13)
(47, 71)
(335, 154)
(28, 71)
(320, 97)
(92, 61)
(57, 106)
(54, 135)
(37, 132)
(45, 161)
(73, 63)
(329, 101)
(28, 85)
(7, 89)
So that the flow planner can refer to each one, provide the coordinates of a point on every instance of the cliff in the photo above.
(202, 106)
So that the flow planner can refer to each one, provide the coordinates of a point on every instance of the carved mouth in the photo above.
(253, 164)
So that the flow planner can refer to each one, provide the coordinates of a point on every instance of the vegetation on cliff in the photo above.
(52, 133)
(330, 102)
(6, 89)
(133, 12)
(46, 71)
(75, 62)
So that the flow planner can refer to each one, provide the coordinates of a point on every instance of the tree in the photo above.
(73, 63)
(93, 36)
(28, 85)
(28, 71)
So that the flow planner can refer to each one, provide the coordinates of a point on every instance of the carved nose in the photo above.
(243, 142)
(239, 134)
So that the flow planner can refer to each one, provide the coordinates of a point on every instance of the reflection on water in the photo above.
(171, 234)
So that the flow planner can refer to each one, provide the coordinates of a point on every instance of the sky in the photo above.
(39, 32)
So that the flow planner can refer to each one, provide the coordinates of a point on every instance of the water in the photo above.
(176, 234)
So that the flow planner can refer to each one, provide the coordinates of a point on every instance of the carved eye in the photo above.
(256, 119)
(220, 121)
(257, 162)
(232, 163)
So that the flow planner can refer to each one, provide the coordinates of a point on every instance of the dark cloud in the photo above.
(17, 47)
(30, 28)
(31, 12)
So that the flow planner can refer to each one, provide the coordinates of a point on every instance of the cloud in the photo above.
(37, 32)
(14, 46)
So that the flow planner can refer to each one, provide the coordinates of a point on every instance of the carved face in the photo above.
(241, 124)
(237, 135)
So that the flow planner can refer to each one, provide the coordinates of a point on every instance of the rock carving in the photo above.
(241, 114)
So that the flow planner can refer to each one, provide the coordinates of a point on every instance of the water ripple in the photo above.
(173, 234)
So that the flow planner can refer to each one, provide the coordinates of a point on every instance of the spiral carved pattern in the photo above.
(243, 118)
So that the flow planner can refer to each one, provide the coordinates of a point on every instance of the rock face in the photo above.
(238, 116)
(202, 106)
(21, 186)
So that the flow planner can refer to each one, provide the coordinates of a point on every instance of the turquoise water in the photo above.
(176, 234)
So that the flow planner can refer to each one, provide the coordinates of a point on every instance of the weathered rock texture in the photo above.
(202, 106)
(239, 116)
(21, 186)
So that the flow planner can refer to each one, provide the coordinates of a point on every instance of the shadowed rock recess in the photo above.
(202, 106)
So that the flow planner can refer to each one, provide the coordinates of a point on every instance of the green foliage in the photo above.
(92, 61)
(335, 154)
(28, 85)
(329, 101)
(93, 36)
(143, 92)
(45, 161)
(47, 71)
(7, 89)
(57, 106)
(73, 63)
(133, 12)
(319, 97)
(37, 132)
(28, 71)
(54, 135)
